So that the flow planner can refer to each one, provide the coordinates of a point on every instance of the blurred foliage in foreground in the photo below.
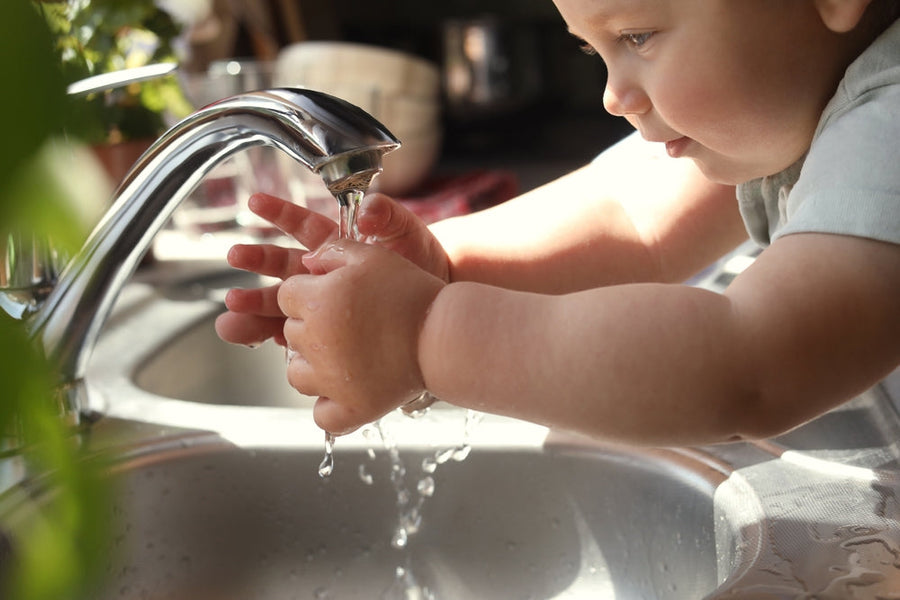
(54, 554)
(91, 37)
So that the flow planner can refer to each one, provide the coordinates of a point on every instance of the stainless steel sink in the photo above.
(218, 496)
(198, 518)
(224, 500)
(198, 367)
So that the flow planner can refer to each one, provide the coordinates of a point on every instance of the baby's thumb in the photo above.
(383, 218)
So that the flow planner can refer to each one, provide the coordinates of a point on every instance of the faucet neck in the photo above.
(328, 135)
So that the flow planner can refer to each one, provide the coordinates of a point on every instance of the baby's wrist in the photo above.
(425, 344)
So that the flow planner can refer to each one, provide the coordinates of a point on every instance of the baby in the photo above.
(564, 306)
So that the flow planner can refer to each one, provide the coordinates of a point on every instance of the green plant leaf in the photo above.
(57, 552)
(32, 105)
(56, 555)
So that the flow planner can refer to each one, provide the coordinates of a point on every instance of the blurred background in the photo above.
(517, 92)
(490, 98)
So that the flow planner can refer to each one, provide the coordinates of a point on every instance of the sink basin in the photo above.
(201, 519)
(226, 374)
(223, 499)
(219, 498)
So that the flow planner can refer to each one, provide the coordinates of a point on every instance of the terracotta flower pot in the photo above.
(118, 158)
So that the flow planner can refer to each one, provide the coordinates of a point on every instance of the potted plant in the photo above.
(100, 36)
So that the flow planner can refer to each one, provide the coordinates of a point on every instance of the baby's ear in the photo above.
(841, 16)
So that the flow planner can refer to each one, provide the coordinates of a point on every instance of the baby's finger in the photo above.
(300, 374)
(308, 227)
(260, 301)
(267, 259)
(335, 418)
(249, 330)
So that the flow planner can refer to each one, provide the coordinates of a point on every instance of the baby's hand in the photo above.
(354, 325)
(253, 315)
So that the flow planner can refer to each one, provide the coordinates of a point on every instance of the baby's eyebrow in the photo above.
(576, 36)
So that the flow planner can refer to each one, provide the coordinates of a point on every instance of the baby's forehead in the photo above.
(600, 12)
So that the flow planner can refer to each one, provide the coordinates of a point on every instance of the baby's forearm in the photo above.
(649, 363)
(810, 324)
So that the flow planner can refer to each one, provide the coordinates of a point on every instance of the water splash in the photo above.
(405, 587)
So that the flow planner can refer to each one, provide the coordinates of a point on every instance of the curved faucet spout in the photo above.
(331, 137)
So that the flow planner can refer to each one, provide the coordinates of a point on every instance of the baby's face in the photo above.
(738, 86)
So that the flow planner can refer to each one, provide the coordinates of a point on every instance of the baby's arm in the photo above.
(581, 231)
(632, 215)
(813, 322)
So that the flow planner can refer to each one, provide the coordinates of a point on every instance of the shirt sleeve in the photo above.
(850, 181)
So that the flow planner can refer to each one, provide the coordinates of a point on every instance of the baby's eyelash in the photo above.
(635, 40)
(583, 45)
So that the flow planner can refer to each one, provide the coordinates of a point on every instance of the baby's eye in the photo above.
(636, 40)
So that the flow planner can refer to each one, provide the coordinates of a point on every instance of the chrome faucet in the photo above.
(333, 138)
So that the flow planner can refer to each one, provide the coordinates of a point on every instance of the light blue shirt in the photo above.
(849, 181)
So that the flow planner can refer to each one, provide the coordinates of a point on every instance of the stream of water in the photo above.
(410, 499)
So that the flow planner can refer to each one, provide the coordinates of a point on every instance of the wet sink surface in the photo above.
(220, 522)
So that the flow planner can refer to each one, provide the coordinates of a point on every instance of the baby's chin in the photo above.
(731, 174)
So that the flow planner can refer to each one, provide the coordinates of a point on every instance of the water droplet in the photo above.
(411, 521)
(365, 476)
(289, 354)
(401, 538)
(426, 486)
(442, 456)
(322, 594)
(462, 452)
(398, 472)
(326, 467)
